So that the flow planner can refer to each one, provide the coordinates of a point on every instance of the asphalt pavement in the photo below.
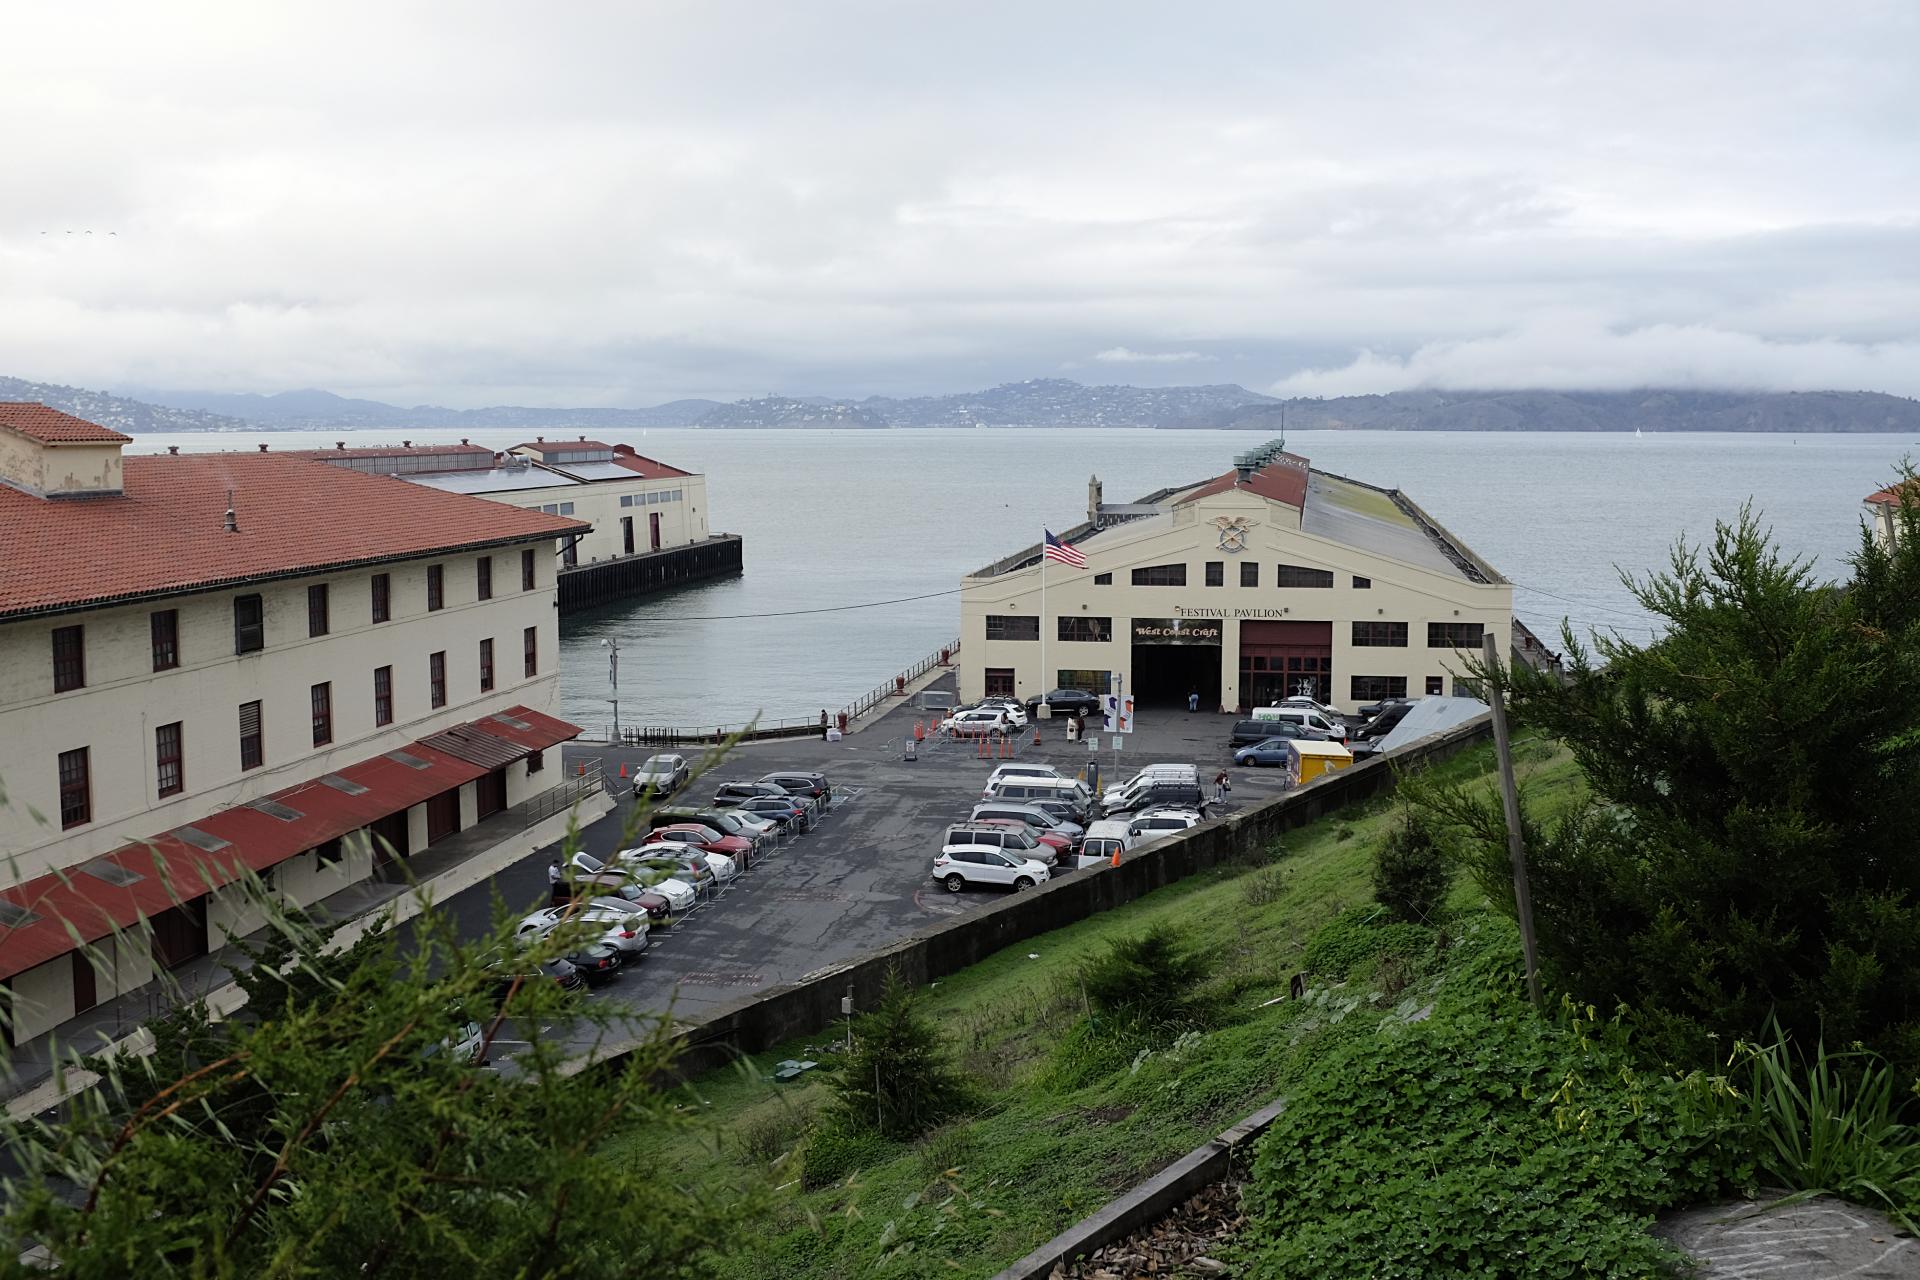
(862, 878)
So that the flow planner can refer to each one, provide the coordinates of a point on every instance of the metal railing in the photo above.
(584, 781)
(789, 727)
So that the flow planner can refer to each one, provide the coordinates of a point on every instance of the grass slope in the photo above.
(1065, 1126)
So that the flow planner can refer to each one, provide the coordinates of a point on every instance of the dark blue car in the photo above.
(1273, 751)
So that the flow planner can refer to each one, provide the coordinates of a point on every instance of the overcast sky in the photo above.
(622, 203)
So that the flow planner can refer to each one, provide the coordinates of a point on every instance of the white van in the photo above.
(1026, 790)
(1152, 772)
(1103, 840)
(1311, 721)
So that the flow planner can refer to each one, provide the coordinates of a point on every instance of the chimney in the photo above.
(174, 449)
(1094, 494)
(263, 448)
(339, 444)
(463, 439)
(539, 439)
(232, 523)
(1243, 468)
(406, 444)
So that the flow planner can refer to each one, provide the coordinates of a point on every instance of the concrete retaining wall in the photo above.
(760, 1022)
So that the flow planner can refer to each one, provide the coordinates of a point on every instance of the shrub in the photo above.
(1833, 1125)
(773, 1131)
(1264, 886)
(835, 1150)
(1485, 1141)
(1357, 938)
(897, 1081)
(1410, 872)
(1150, 980)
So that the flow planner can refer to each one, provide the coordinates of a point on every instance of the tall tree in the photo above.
(1757, 765)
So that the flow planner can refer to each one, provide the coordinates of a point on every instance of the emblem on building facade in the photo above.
(1233, 532)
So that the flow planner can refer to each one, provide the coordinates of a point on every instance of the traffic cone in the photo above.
(1116, 856)
(1036, 735)
(583, 768)
(623, 768)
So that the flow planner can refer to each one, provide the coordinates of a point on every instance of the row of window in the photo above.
(169, 739)
(1366, 635)
(250, 619)
(1284, 575)
(1000, 683)
(641, 499)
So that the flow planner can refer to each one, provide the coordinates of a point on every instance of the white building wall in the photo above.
(1400, 592)
(680, 502)
(124, 700)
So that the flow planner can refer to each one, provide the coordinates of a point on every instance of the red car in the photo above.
(705, 839)
(1052, 839)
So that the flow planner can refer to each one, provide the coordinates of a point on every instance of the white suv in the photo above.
(1151, 824)
(962, 864)
(974, 724)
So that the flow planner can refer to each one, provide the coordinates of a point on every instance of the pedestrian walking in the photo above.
(1221, 785)
(1193, 701)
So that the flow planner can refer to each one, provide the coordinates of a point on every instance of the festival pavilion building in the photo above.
(1269, 580)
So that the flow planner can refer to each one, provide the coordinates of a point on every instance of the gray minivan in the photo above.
(1159, 793)
(1032, 790)
(1037, 818)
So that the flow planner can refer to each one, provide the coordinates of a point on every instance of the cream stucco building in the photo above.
(1885, 514)
(1269, 580)
(210, 661)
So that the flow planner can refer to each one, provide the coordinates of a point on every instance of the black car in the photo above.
(1248, 732)
(596, 963)
(732, 793)
(788, 811)
(1384, 723)
(1373, 709)
(814, 785)
(1064, 810)
(1066, 702)
(560, 972)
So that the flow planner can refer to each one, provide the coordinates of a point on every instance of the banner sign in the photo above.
(1176, 631)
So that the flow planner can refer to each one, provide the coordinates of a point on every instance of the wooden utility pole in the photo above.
(1510, 800)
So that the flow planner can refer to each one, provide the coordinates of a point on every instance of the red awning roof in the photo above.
(75, 906)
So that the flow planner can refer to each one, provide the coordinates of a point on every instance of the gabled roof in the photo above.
(651, 469)
(50, 426)
(1284, 481)
(1890, 496)
(163, 533)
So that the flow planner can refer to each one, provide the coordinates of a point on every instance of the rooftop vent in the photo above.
(174, 449)
(274, 809)
(232, 522)
(112, 872)
(346, 786)
(263, 448)
(205, 841)
(512, 723)
(412, 762)
(15, 916)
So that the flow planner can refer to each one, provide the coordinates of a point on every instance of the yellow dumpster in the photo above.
(1307, 760)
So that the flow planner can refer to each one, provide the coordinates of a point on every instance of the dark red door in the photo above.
(490, 794)
(180, 933)
(653, 528)
(443, 815)
(1281, 659)
(85, 993)
(390, 838)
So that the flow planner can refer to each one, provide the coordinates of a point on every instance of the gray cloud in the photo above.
(616, 204)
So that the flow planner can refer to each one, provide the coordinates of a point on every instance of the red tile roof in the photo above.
(174, 870)
(164, 533)
(1283, 481)
(1890, 497)
(388, 451)
(624, 456)
(50, 426)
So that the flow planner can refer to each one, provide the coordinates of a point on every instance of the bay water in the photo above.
(856, 540)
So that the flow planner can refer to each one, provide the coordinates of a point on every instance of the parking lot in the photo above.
(861, 879)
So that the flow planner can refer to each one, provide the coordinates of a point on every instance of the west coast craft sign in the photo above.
(1176, 631)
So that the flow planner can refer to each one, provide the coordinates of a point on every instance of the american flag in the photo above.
(1064, 552)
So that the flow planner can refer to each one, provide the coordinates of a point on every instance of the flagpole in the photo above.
(1043, 618)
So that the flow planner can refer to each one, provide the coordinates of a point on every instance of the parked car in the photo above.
(1017, 771)
(678, 892)
(1065, 702)
(726, 821)
(1156, 793)
(1151, 824)
(597, 963)
(1015, 710)
(729, 794)
(1248, 732)
(1037, 818)
(1150, 773)
(1372, 710)
(1103, 840)
(1273, 751)
(1332, 713)
(611, 886)
(1332, 730)
(812, 785)
(507, 971)
(1070, 791)
(1047, 846)
(465, 1043)
(664, 774)
(624, 931)
(789, 811)
(702, 837)
(984, 722)
(974, 865)
(687, 865)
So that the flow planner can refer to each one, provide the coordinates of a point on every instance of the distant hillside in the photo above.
(1060, 402)
(130, 416)
(786, 411)
(1796, 412)
(313, 409)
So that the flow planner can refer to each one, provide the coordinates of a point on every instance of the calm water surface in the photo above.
(834, 518)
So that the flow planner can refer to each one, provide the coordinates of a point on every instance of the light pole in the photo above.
(613, 677)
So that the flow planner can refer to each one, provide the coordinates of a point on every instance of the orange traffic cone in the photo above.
(623, 768)
(1036, 735)
(1116, 856)
(583, 769)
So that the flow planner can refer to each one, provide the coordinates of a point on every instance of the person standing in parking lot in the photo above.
(1193, 702)
(1221, 785)
(556, 882)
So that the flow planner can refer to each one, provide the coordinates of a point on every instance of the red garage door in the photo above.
(1280, 659)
